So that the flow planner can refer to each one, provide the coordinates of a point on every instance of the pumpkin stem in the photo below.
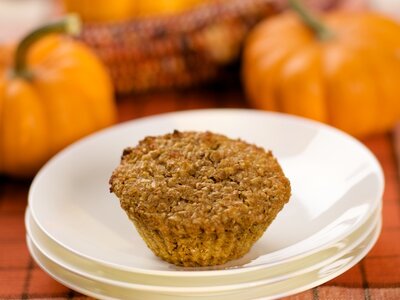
(323, 33)
(70, 25)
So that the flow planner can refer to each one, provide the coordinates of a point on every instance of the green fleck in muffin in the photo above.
(199, 198)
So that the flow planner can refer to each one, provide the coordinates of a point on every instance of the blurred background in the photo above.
(63, 78)
(18, 16)
(320, 59)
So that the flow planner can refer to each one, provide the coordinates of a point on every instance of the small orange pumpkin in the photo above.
(101, 10)
(344, 71)
(120, 10)
(50, 97)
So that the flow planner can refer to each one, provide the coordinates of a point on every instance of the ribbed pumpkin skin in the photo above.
(351, 81)
(68, 95)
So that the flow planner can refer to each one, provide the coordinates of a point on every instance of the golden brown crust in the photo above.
(187, 191)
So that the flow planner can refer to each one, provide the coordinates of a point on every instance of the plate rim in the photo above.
(207, 272)
(354, 243)
(360, 255)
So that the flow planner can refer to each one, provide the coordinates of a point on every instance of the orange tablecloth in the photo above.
(376, 277)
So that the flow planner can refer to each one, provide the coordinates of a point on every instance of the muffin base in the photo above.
(204, 249)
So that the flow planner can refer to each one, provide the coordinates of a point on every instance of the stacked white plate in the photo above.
(78, 234)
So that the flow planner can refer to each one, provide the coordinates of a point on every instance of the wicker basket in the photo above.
(176, 51)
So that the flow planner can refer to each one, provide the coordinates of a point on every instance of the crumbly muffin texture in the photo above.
(199, 198)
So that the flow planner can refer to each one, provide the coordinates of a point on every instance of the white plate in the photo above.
(90, 270)
(336, 185)
(269, 291)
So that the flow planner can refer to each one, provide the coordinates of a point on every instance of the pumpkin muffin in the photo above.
(199, 198)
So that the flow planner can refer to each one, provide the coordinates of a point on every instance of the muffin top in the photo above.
(198, 181)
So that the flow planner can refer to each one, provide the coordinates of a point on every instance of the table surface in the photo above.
(377, 276)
